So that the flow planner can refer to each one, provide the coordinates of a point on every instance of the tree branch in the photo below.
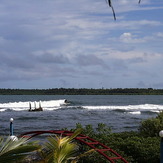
(110, 5)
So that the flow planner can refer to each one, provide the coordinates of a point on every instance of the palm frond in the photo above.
(17, 154)
(75, 134)
(82, 155)
(11, 150)
(9, 144)
(59, 149)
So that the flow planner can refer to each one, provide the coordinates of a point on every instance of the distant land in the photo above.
(83, 91)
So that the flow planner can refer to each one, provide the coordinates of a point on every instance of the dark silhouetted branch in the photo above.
(110, 5)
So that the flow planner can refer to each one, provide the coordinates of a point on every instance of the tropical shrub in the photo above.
(133, 146)
(151, 127)
(140, 146)
(141, 149)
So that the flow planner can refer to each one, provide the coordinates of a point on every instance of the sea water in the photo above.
(120, 112)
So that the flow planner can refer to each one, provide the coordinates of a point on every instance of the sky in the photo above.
(77, 44)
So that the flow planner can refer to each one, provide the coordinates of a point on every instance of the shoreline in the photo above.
(82, 91)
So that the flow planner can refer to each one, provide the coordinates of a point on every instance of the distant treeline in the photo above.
(82, 91)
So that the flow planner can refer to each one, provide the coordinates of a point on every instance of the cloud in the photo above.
(125, 6)
(79, 42)
(159, 34)
(50, 57)
(136, 60)
(157, 85)
(141, 84)
(90, 60)
(133, 39)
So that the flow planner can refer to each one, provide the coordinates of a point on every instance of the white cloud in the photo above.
(71, 40)
(129, 38)
(159, 34)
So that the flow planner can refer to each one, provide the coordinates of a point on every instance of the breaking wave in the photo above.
(131, 109)
(21, 106)
(51, 105)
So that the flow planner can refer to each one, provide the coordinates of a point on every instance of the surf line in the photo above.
(35, 108)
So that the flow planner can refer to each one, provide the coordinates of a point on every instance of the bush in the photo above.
(133, 146)
(151, 127)
(141, 149)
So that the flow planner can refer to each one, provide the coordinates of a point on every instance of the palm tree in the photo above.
(61, 149)
(13, 150)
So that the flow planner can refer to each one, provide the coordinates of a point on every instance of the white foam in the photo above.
(1, 110)
(20, 106)
(155, 111)
(57, 104)
(135, 112)
(99, 107)
(128, 107)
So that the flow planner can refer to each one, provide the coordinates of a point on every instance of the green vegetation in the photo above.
(151, 127)
(135, 147)
(61, 149)
(56, 149)
(14, 150)
(82, 91)
(140, 146)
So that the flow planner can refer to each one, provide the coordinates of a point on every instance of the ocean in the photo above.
(120, 112)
